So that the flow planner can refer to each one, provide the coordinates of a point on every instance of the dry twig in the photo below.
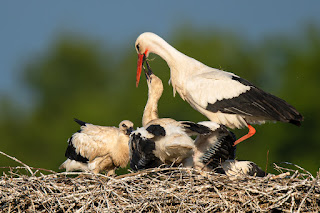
(157, 190)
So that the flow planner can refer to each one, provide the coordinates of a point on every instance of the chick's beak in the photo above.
(131, 129)
(141, 60)
(149, 72)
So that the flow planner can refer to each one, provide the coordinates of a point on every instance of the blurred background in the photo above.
(61, 60)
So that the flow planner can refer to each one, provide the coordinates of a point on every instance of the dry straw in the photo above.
(156, 190)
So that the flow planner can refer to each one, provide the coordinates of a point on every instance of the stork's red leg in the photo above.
(251, 132)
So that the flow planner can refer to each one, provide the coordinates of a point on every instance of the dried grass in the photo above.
(157, 190)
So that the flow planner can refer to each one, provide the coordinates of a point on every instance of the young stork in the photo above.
(96, 148)
(212, 149)
(166, 141)
(223, 97)
(161, 140)
(215, 151)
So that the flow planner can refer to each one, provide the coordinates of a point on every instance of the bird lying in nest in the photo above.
(98, 148)
(166, 141)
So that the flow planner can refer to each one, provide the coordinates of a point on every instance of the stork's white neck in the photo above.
(172, 56)
(165, 51)
(181, 66)
(151, 109)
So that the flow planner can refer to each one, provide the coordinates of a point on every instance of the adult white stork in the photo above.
(96, 148)
(161, 140)
(221, 96)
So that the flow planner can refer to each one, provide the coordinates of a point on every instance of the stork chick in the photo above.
(96, 148)
(215, 151)
(212, 149)
(161, 140)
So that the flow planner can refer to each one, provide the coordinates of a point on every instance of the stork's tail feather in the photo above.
(286, 112)
(81, 123)
(295, 122)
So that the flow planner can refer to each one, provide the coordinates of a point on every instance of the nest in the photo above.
(157, 190)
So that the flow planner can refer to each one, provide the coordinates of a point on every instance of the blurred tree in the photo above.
(300, 68)
(79, 78)
(72, 79)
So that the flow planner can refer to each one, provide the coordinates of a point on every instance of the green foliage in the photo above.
(80, 78)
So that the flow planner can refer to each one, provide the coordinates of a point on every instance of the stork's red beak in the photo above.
(141, 59)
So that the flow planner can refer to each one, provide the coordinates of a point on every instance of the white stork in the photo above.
(161, 140)
(96, 148)
(212, 149)
(223, 97)
(215, 151)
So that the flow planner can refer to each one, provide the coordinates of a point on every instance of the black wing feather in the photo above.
(142, 156)
(255, 102)
(198, 128)
(72, 154)
(156, 130)
(220, 151)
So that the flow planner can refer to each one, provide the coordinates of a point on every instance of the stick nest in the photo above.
(157, 190)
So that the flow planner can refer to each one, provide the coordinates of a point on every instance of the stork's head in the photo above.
(144, 45)
(126, 127)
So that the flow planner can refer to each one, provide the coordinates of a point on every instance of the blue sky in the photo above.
(28, 27)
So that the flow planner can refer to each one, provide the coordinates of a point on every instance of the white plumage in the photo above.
(166, 141)
(235, 168)
(96, 148)
(161, 140)
(171, 147)
(214, 148)
(199, 85)
(215, 151)
(223, 97)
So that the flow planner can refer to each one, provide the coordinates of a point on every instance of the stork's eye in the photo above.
(138, 47)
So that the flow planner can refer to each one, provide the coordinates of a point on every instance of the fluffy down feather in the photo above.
(161, 140)
(96, 148)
